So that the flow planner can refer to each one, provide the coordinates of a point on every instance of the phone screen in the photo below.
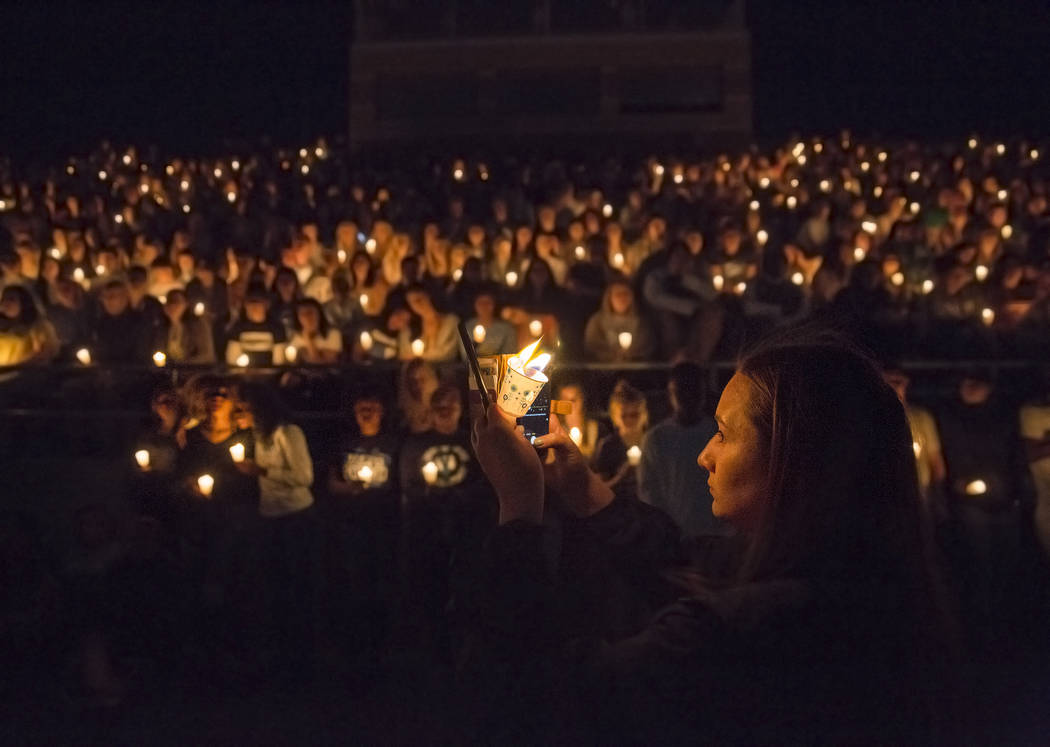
(537, 421)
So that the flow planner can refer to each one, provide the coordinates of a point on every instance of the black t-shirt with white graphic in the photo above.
(257, 340)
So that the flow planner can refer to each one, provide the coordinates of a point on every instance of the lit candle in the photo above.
(100, 270)
(576, 435)
(205, 483)
(865, 166)
(162, 299)
(792, 202)
(341, 256)
(159, 359)
(102, 175)
(580, 252)
(658, 169)
(877, 191)
(198, 308)
(897, 278)
(1007, 231)
(618, 260)
(718, 282)
(987, 316)
(512, 278)
(754, 206)
(235, 164)
(1033, 154)
(869, 226)
(55, 253)
(678, 178)
(1000, 148)
(794, 183)
(118, 218)
(142, 458)
(186, 208)
(303, 152)
(291, 353)
(739, 288)
(858, 253)
(762, 236)
(217, 172)
(825, 185)
(914, 207)
(980, 272)
(231, 196)
(184, 185)
(1001, 194)
(243, 360)
(430, 473)
(457, 174)
(625, 339)
(304, 169)
(915, 175)
(365, 474)
(78, 275)
(237, 452)
(126, 159)
(764, 182)
(801, 160)
(976, 487)
(144, 188)
(917, 448)
(927, 286)
(366, 341)
(479, 334)
(84, 356)
(364, 301)
(607, 210)
(457, 274)
(634, 456)
(418, 347)
(319, 151)
(370, 246)
(972, 142)
(798, 278)
(535, 328)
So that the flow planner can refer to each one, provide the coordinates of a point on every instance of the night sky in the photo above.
(192, 75)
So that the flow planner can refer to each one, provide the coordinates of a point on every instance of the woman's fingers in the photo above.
(557, 441)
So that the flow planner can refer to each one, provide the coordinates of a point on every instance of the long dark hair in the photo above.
(268, 409)
(843, 505)
(29, 314)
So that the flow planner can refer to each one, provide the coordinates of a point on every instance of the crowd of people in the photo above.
(259, 545)
(309, 257)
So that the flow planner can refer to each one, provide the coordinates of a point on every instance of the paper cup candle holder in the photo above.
(522, 381)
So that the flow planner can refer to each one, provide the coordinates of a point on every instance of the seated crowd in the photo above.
(309, 257)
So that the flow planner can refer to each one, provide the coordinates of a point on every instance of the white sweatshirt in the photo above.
(289, 469)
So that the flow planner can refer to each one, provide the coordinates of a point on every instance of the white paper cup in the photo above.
(517, 392)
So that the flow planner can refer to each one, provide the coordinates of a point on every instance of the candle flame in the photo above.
(526, 353)
(539, 363)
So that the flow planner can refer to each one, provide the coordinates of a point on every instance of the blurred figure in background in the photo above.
(926, 443)
(617, 455)
(583, 430)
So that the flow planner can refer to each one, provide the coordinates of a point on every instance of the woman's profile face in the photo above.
(735, 458)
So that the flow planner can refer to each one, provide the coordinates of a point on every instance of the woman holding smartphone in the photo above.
(821, 622)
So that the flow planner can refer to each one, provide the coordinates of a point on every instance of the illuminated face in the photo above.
(620, 299)
(484, 306)
(308, 317)
(255, 310)
(446, 413)
(735, 458)
(10, 305)
(419, 302)
(627, 419)
(115, 301)
(369, 415)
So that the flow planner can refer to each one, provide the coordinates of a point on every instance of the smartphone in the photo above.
(537, 421)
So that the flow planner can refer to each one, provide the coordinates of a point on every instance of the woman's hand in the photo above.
(566, 472)
(511, 465)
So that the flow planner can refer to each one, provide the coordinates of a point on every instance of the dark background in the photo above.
(191, 75)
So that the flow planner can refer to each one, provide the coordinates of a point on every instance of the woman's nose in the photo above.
(705, 461)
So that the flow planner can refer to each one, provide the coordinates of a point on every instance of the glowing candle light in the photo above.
(366, 340)
(512, 278)
(981, 272)
(794, 183)
(914, 176)
(576, 435)
(535, 328)
(865, 166)
(237, 452)
(291, 353)
(119, 218)
(798, 150)
(370, 246)
(159, 359)
(718, 282)
(430, 473)
(762, 235)
(418, 347)
(976, 487)
(54, 252)
(897, 278)
(102, 175)
(607, 210)
(142, 458)
(987, 316)
(801, 160)
(231, 196)
(457, 274)
(144, 188)
(798, 278)
(618, 260)
(625, 339)
(235, 164)
(364, 300)
(186, 208)
(1033, 154)
(1001, 194)
(825, 185)
(205, 484)
(792, 202)
(243, 360)
(658, 169)
(764, 182)
(883, 155)
(457, 174)
(304, 169)
(917, 448)
(754, 206)
(319, 151)
(162, 299)
(740, 288)
(877, 192)
(580, 252)
(858, 253)
(303, 152)
(479, 334)
(927, 286)
(84, 356)
(818, 147)
(78, 274)
(914, 207)
(869, 226)
(1000, 148)
(678, 178)
(634, 456)
(972, 143)
(365, 474)
(1007, 231)
(70, 170)
(184, 185)
(126, 159)
(341, 256)
(199, 308)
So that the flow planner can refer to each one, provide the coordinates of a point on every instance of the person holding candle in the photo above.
(257, 335)
(491, 335)
(313, 338)
(618, 322)
(436, 330)
(926, 446)
(26, 336)
(183, 336)
(629, 413)
(283, 467)
(583, 430)
(823, 620)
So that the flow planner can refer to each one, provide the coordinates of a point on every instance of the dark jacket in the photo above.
(786, 660)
